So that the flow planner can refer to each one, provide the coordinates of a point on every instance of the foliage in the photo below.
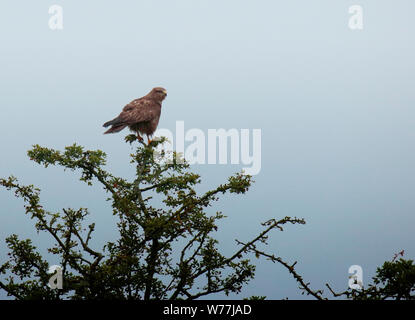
(393, 280)
(162, 252)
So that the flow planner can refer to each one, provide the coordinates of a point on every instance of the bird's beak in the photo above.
(165, 92)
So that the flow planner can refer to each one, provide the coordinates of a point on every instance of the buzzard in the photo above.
(140, 115)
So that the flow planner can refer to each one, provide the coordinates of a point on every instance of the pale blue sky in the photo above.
(336, 109)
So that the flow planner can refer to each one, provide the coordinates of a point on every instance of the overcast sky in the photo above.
(335, 107)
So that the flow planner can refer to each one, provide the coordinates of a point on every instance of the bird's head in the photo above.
(158, 93)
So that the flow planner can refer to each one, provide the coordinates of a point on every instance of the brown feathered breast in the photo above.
(140, 115)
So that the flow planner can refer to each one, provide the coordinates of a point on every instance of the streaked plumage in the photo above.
(140, 115)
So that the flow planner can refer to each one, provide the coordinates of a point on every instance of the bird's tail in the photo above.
(116, 128)
(117, 125)
(112, 122)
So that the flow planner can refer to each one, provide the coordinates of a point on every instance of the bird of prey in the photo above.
(140, 115)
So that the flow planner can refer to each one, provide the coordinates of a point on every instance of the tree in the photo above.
(394, 280)
(142, 263)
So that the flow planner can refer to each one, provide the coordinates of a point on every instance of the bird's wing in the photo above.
(138, 110)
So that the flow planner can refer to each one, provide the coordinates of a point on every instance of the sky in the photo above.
(335, 107)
